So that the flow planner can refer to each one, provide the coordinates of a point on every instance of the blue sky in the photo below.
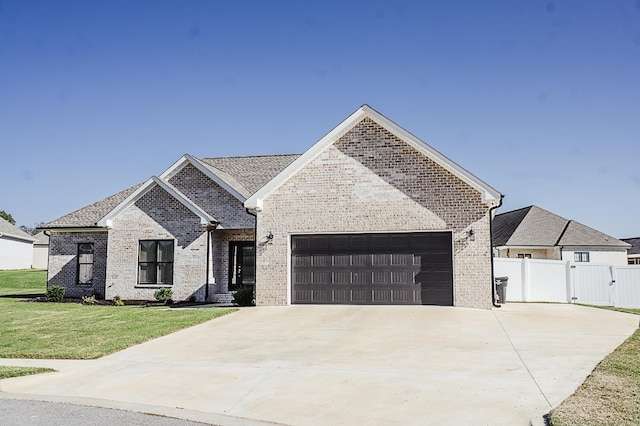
(541, 99)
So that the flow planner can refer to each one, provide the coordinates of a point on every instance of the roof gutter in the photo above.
(493, 278)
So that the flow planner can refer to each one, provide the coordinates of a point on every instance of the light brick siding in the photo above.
(156, 216)
(63, 262)
(369, 180)
(215, 200)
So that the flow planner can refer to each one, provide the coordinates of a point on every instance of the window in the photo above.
(85, 263)
(524, 255)
(155, 262)
(581, 256)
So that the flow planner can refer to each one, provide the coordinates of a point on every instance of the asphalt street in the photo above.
(19, 412)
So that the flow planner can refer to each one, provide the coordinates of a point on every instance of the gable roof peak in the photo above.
(490, 195)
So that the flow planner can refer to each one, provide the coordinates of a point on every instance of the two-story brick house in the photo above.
(370, 214)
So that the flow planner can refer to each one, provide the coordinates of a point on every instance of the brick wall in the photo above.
(156, 216)
(369, 180)
(63, 262)
(215, 200)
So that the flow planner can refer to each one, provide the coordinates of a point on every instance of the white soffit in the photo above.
(490, 195)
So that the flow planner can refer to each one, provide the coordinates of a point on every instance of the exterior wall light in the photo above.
(472, 234)
(270, 237)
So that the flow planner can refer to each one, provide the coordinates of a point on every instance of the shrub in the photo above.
(163, 295)
(55, 293)
(117, 301)
(89, 300)
(244, 296)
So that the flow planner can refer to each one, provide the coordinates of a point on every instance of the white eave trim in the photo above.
(17, 237)
(525, 247)
(195, 162)
(107, 220)
(490, 195)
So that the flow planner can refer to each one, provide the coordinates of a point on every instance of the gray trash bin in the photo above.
(501, 288)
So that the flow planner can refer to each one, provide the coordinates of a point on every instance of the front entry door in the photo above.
(242, 264)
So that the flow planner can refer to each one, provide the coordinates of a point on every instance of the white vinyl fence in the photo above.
(533, 280)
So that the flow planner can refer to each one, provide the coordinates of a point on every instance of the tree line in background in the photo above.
(31, 230)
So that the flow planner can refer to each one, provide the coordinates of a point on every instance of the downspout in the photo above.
(206, 285)
(493, 278)
(47, 232)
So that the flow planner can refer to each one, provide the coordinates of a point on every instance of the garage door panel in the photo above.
(359, 295)
(373, 269)
(361, 277)
(360, 259)
(301, 277)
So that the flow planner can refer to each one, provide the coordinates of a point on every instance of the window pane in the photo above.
(165, 273)
(85, 249)
(85, 273)
(165, 251)
(147, 273)
(85, 263)
(148, 251)
(233, 279)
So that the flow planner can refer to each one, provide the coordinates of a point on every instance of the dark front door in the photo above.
(242, 264)
(408, 268)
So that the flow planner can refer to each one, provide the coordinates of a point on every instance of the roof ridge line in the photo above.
(563, 231)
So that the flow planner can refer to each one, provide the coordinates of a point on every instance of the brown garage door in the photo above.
(410, 268)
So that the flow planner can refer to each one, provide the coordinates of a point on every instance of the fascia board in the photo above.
(107, 220)
(132, 198)
(205, 218)
(521, 247)
(17, 237)
(255, 201)
(489, 194)
(190, 159)
(79, 229)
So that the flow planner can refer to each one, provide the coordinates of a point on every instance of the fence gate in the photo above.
(593, 285)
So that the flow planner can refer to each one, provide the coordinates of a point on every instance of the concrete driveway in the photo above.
(350, 365)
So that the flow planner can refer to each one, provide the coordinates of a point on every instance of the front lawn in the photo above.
(76, 331)
(23, 282)
(611, 393)
(8, 372)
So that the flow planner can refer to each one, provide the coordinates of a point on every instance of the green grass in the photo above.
(23, 282)
(8, 372)
(76, 331)
(611, 393)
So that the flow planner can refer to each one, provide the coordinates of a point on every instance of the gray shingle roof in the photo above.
(534, 226)
(635, 245)
(251, 172)
(10, 230)
(41, 238)
(505, 224)
(244, 174)
(89, 215)
(578, 234)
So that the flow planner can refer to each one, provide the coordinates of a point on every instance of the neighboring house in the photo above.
(532, 232)
(16, 247)
(40, 251)
(633, 255)
(370, 214)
